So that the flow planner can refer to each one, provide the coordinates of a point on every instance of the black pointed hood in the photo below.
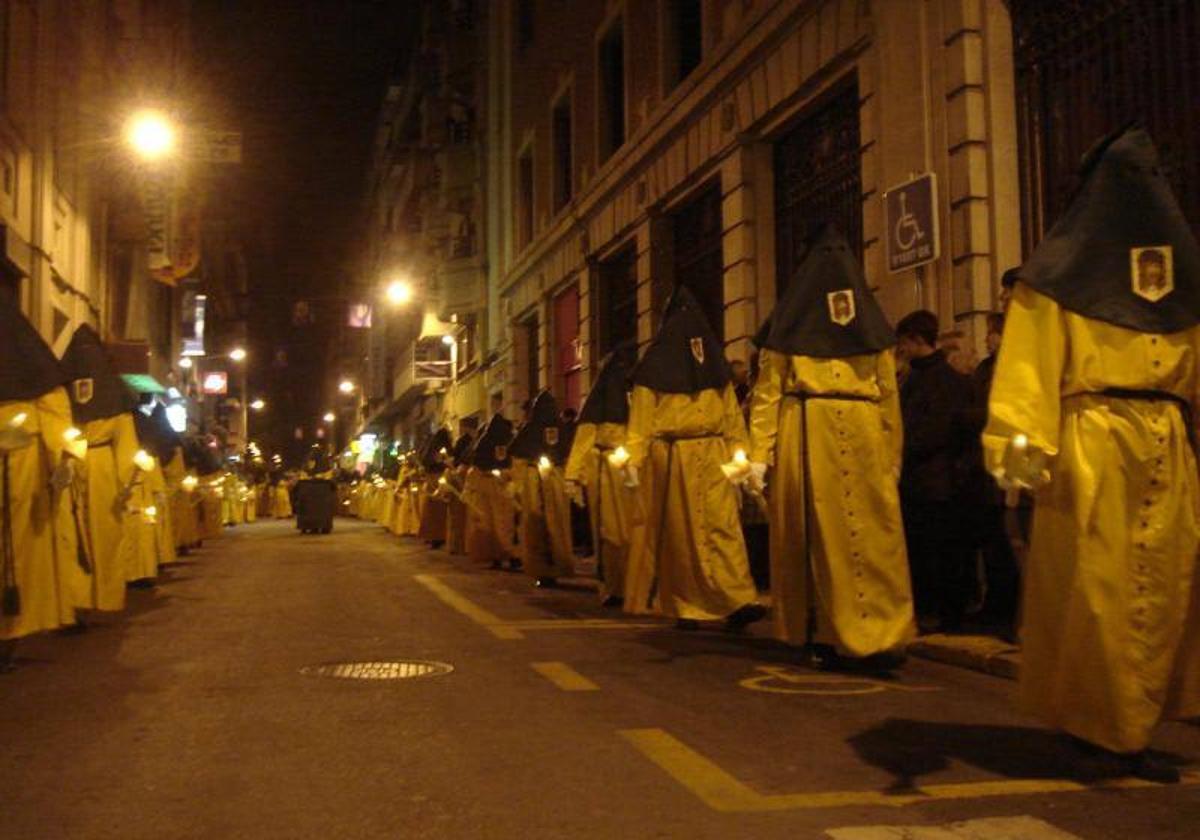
(28, 368)
(155, 434)
(541, 434)
(827, 310)
(491, 450)
(462, 447)
(685, 357)
(96, 389)
(1122, 228)
(431, 453)
(608, 401)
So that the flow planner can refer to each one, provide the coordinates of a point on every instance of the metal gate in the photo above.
(818, 178)
(1085, 68)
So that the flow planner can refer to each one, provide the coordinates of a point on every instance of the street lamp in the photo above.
(346, 386)
(258, 405)
(329, 417)
(238, 354)
(185, 363)
(399, 292)
(151, 134)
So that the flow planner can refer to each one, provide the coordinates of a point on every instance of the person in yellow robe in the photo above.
(545, 529)
(281, 500)
(490, 510)
(1094, 403)
(825, 419)
(435, 458)
(612, 504)
(43, 576)
(451, 488)
(684, 424)
(101, 406)
(158, 438)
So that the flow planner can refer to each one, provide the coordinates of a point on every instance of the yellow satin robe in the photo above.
(112, 443)
(690, 561)
(183, 511)
(1111, 621)
(861, 593)
(545, 546)
(49, 580)
(613, 508)
(456, 513)
(490, 515)
(148, 544)
(281, 501)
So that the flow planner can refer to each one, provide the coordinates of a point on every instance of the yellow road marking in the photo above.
(496, 626)
(564, 676)
(722, 792)
(776, 679)
(502, 629)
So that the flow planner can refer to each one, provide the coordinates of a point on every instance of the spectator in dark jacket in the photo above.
(936, 403)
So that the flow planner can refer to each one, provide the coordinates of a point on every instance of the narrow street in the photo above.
(192, 715)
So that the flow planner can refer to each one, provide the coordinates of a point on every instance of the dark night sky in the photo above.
(303, 80)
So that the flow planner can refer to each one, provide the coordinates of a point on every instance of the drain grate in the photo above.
(400, 670)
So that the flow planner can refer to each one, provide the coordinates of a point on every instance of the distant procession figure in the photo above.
(1094, 402)
(490, 514)
(613, 506)
(825, 419)
(545, 531)
(456, 514)
(434, 460)
(684, 424)
(281, 500)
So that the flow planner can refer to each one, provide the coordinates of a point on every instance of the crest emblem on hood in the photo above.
(841, 306)
(697, 345)
(84, 390)
(500, 453)
(1152, 272)
(550, 436)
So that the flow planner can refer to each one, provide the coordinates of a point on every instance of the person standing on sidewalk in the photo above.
(935, 402)
(684, 424)
(825, 418)
(490, 510)
(1094, 403)
(545, 543)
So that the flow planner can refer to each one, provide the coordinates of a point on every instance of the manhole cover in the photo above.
(378, 670)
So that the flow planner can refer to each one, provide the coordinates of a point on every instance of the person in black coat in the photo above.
(936, 402)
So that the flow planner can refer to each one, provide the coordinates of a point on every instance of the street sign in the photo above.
(910, 212)
(210, 146)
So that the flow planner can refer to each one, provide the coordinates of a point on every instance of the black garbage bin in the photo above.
(314, 501)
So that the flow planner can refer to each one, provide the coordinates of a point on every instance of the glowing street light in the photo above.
(346, 386)
(185, 363)
(258, 404)
(151, 134)
(238, 354)
(399, 292)
(448, 340)
(329, 417)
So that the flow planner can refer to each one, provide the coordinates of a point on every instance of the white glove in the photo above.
(575, 492)
(631, 476)
(1025, 466)
(758, 477)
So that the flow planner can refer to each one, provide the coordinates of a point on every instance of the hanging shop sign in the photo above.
(216, 382)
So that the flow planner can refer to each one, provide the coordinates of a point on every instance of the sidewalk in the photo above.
(979, 653)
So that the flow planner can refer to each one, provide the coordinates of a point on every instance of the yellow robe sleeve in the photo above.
(641, 424)
(733, 426)
(764, 406)
(1026, 391)
(585, 441)
(889, 408)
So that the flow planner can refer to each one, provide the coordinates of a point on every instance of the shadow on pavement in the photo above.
(910, 749)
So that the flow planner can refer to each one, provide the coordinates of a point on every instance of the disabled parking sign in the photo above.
(910, 211)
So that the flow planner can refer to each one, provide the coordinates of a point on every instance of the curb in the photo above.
(985, 654)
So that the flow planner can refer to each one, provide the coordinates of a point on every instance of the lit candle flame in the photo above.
(71, 435)
(18, 420)
(739, 457)
(496, 473)
(143, 460)
(1020, 441)
(544, 463)
(619, 457)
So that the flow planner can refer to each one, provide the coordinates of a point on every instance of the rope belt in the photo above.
(806, 396)
(672, 439)
(1148, 395)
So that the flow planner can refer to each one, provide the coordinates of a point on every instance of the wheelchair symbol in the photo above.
(908, 232)
(777, 679)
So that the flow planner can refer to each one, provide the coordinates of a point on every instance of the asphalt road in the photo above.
(190, 716)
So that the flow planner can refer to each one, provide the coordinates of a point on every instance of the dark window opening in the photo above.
(684, 39)
(697, 251)
(561, 119)
(616, 296)
(612, 90)
(524, 199)
(524, 24)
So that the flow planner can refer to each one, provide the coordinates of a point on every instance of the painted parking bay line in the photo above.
(988, 828)
(723, 792)
(516, 629)
(564, 676)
